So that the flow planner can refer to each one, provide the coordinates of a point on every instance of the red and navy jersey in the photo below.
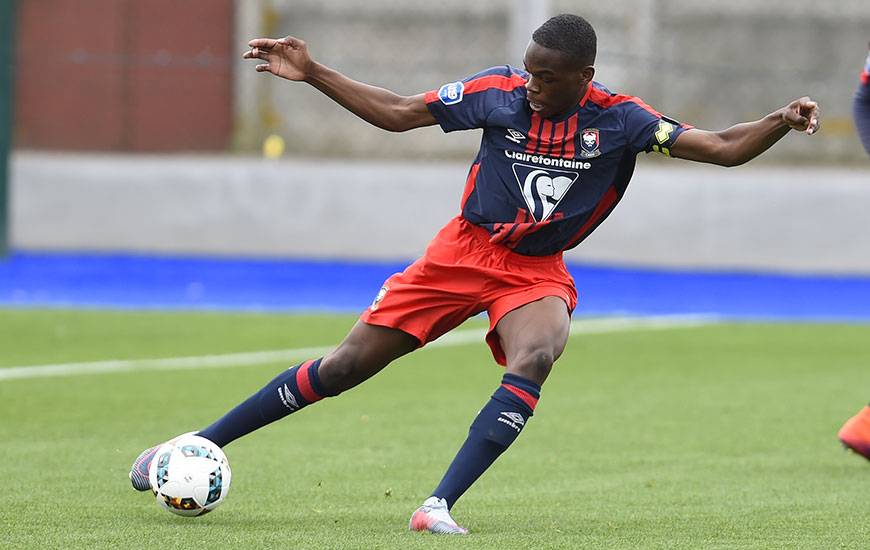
(542, 185)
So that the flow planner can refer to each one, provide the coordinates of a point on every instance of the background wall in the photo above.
(706, 62)
(675, 214)
(123, 75)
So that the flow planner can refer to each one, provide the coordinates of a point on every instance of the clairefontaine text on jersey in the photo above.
(548, 161)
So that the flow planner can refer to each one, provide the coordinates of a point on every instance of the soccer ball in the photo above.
(189, 475)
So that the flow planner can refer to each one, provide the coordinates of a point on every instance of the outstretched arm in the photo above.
(743, 142)
(288, 58)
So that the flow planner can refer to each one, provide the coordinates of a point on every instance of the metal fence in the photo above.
(708, 63)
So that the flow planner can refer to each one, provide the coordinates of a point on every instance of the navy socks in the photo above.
(286, 393)
(497, 426)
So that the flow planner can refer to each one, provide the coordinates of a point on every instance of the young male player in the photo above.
(557, 154)
(855, 433)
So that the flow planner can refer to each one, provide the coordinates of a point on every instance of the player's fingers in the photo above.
(262, 67)
(814, 124)
(262, 43)
(794, 119)
(813, 113)
(291, 41)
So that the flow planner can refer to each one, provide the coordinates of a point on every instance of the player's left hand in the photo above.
(803, 115)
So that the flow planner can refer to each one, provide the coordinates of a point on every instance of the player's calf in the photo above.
(495, 428)
(290, 391)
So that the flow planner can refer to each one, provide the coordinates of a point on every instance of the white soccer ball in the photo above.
(190, 475)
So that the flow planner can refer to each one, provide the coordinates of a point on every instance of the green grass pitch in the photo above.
(721, 436)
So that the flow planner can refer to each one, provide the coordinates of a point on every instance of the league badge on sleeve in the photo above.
(589, 142)
(451, 94)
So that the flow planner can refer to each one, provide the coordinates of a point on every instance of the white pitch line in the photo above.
(457, 338)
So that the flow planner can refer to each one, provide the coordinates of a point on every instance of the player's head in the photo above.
(560, 59)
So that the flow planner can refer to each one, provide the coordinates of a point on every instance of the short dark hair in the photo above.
(570, 34)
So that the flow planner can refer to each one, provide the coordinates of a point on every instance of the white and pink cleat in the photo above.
(433, 516)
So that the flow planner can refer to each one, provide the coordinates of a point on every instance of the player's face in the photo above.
(556, 84)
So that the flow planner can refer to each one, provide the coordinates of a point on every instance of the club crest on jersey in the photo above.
(589, 142)
(451, 94)
(543, 190)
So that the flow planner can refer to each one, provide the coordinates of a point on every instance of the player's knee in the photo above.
(535, 364)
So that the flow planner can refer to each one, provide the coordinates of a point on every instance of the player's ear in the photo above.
(587, 73)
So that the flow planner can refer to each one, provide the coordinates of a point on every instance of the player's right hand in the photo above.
(803, 115)
(285, 57)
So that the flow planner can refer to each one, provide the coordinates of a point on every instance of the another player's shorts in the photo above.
(462, 274)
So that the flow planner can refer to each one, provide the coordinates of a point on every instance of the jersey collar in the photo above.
(586, 95)
(577, 107)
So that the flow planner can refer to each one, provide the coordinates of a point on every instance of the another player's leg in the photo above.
(855, 433)
(533, 337)
(364, 352)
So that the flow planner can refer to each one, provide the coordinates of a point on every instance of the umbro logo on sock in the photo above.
(288, 398)
(516, 417)
(514, 420)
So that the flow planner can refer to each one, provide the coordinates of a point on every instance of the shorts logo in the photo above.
(589, 142)
(451, 94)
(543, 190)
(381, 293)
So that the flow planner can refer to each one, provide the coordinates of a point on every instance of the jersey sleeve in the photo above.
(649, 131)
(466, 104)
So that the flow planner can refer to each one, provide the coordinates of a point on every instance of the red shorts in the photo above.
(462, 274)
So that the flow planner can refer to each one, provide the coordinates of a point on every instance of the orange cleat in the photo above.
(855, 433)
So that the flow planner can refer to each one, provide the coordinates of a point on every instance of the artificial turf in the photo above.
(720, 436)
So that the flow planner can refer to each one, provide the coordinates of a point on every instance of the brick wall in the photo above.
(123, 75)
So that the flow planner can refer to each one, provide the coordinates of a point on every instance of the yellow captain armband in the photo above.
(663, 133)
(663, 150)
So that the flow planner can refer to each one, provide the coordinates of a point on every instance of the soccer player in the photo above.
(557, 153)
(855, 433)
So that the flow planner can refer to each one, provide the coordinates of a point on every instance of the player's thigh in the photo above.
(534, 335)
(364, 351)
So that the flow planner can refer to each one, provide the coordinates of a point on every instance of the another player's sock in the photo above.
(286, 393)
(497, 426)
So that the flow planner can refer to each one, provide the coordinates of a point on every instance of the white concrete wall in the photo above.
(804, 219)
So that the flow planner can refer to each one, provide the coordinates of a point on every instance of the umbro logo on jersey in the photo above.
(542, 189)
(514, 135)
(451, 94)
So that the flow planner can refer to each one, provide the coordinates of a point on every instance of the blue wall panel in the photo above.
(30, 279)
